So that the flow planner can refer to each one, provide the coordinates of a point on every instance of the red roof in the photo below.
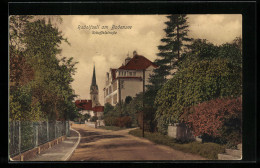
(98, 108)
(84, 104)
(138, 62)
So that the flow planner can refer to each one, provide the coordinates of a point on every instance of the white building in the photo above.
(127, 80)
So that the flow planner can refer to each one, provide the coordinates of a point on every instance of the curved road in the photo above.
(106, 145)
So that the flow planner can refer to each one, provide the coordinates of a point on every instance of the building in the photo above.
(91, 107)
(127, 80)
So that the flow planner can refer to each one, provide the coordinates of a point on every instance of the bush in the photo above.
(93, 119)
(217, 120)
(125, 121)
(110, 121)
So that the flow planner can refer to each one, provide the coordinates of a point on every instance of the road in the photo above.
(107, 145)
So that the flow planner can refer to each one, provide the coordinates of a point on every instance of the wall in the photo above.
(131, 88)
(181, 132)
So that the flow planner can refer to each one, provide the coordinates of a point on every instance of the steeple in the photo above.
(94, 83)
(94, 90)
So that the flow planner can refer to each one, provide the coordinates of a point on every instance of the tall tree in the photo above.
(41, 82)
(175, 42)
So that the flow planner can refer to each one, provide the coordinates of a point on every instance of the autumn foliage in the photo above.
(217, 118)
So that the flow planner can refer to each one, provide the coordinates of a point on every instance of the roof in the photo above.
(138, 62)
(98, 108)
(84, 104)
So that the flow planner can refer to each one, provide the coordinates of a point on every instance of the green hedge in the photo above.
(207, 150)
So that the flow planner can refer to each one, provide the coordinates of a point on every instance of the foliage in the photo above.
(107, 108)
(201, 49)
(128, 99)
(83, 117)
(110, 121)
(174, 42)
(210, 117)
(37, 76)
(207, 150)
(199, 82)
(94, 119)
(124, 121)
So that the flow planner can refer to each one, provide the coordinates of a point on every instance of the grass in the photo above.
(207, 150)
(113, 128)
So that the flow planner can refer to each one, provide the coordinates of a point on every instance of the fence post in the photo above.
(20, 137)
(36, 135)
(48, 136)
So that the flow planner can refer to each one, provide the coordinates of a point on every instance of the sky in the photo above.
(107, 51)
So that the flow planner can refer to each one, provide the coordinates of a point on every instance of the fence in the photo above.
(25, 135)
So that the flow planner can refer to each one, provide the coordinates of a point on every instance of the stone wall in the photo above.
(180, 132)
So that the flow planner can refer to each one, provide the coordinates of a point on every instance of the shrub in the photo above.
(110, 121)
(217, 120)
(93, 119)
(125, 121)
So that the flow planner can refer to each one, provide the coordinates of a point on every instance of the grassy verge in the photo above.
(207, 150)
(113, 128)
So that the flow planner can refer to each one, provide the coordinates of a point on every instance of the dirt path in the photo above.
(98, 145)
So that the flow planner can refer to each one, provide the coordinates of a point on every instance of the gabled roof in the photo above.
(98, 108)
(138, 62)
(87, 105)
(84, 104)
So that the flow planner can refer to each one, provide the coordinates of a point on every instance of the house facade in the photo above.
(127, 80)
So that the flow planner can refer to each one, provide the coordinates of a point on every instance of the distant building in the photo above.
(127, 80)
(91, 107)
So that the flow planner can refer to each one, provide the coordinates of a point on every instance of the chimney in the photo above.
(127, 59)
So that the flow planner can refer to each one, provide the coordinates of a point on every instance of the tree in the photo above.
(40, 82)
(108, 107)
(175, 43)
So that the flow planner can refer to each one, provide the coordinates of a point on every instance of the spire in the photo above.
(94, 78)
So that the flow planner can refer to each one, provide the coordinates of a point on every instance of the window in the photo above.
(130, 73)
(134, 73)
(124, 73)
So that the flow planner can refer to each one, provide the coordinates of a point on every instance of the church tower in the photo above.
(94, 90)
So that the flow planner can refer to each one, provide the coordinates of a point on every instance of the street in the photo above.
(106, 145)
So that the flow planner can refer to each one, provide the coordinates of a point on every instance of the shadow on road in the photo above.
(90, 136)
(126, 145)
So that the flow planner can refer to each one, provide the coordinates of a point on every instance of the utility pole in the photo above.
(143, 100)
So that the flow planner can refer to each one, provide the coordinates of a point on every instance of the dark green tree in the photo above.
(175, 42)
(107, 108)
